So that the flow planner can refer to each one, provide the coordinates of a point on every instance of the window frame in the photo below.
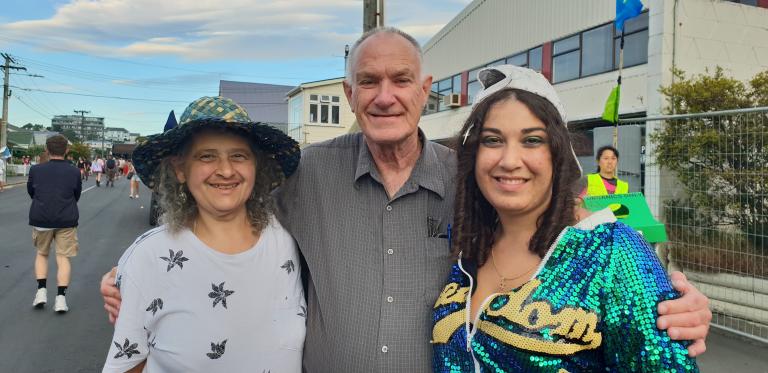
(325, 102)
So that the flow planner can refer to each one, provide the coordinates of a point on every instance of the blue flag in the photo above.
(626, 9)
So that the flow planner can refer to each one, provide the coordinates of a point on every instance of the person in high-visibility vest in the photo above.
(604, 181)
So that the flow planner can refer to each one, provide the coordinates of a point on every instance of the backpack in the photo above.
(110, 164)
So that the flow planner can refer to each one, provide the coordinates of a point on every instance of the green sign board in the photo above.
(632, 210)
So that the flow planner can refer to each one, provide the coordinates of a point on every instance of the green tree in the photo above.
(722, 161)
(78, 150)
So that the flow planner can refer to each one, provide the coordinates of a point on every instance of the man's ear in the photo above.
(348, 93)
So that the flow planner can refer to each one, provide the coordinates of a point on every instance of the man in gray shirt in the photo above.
(370, 214)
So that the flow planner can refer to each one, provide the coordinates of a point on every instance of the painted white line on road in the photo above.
(89, 188)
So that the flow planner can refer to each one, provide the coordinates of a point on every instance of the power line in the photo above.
(99, 96)
(31, 108)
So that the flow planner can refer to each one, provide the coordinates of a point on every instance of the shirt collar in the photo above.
(429, 172)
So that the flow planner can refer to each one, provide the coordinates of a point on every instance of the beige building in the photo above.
(318, 111)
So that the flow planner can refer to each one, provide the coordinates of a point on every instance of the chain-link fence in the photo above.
(706, 178)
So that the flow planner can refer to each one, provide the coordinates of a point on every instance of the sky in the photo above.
(132, 61)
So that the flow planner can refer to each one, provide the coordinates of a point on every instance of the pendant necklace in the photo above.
(503, 279)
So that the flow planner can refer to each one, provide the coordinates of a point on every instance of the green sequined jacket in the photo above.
(590, 307)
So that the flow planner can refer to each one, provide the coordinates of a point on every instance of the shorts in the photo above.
(66, 241)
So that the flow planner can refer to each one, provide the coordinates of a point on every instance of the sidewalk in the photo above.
(14, 181)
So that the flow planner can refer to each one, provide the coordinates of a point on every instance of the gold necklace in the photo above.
(503, 281)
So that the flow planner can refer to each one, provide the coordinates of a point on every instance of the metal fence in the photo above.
(706, 178)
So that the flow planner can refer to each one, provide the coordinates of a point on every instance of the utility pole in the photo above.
(6, 94)
(373, 14)
(82, 123)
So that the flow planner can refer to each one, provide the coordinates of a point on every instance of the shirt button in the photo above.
(384, 349)
(390, 251)
(389, 208)
(390, 299)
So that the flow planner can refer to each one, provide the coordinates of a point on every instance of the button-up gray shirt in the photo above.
(376, 264)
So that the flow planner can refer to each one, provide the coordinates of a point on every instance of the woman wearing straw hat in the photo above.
(216, 288)
(533, 290)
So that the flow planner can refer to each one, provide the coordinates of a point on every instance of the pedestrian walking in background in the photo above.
(98, 168)
(111, 166)
(81, 167)
(55, 188)
(133, 179)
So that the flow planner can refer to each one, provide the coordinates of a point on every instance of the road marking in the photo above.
(89, 188)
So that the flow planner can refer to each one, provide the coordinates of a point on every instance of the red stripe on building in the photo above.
(546, 63)
(464, 87)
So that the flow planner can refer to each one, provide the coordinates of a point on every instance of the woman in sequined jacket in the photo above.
(532, 289)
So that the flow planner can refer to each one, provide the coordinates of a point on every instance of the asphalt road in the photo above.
(38, 341)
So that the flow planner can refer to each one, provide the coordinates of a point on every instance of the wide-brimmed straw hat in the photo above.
(215, 113)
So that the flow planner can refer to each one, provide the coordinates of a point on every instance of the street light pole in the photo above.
(82, 123)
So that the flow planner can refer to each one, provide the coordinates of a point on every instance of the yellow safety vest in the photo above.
(595, 186)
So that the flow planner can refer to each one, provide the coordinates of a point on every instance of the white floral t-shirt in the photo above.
(189, 308)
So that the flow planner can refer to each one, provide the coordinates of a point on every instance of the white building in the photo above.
(88, 128)
(575, 45)
(318, 111)
(117, 134)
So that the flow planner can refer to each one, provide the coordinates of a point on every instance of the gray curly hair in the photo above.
(179, 213)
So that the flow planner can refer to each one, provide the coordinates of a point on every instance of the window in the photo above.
(473, 85)
(335, 114)
(328, 106)
(518, 59)
(497, 62)
(565, 60)
(535, 58)
(596, 51)
(635, 42)
(313, 112)
(745, 2)
(444, 88)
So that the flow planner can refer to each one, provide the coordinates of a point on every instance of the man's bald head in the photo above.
(353, 52)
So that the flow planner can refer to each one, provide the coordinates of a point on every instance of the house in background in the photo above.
(263, 102)
(318, 111)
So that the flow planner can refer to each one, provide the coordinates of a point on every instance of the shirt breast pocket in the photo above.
(438, 260)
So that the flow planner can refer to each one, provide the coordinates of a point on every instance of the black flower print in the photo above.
(174, 259)
(218, 349)
(288, 266)
(128, 349)
(303, 312)
(219, 294)
(157, 304)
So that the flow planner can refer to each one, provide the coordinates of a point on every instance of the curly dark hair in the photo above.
(475, 218)
(600, 154)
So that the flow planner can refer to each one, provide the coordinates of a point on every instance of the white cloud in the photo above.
(212, 30)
